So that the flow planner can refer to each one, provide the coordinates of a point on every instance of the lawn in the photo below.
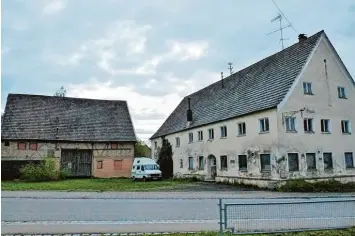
(347, 232)
(122, 185)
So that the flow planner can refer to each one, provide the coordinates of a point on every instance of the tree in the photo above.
(165, 160)
(139, 149)
(61, 92)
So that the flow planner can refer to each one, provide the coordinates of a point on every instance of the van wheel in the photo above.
(134, 178)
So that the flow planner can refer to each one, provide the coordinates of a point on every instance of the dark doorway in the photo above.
(10, 170)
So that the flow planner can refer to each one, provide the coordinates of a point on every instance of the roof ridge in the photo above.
(53, 96)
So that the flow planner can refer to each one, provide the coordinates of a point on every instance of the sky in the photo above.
(152, 53)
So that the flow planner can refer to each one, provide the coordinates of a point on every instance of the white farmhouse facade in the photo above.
(288, 116)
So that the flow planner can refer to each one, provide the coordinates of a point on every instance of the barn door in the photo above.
(77, 162)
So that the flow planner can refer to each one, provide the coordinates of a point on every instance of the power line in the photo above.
(284, 16)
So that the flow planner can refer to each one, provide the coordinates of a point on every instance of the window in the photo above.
(307, 88)
(290, 124)
(155, 144)
(191, 137)
(311, 161)
(243, 165)
(201, 163)
(138, 167)
(33, 146)
(223, 131)
(265, 162)
(325, 125)
(264, 125)
(117, 165)
(21, 146)
(308, 125)
(114, 146)
(200, 135)
(177, 140)
(293, 164)
(241, 129)
(99, 165)
(211, 134)
(345, 127)
(328, 160)
(224, 162)
(349, 160)
(232, 162)
(341, 92)
(191, 163)
(181, 163)
(7, 143)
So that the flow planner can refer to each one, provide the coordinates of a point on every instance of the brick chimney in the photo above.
(302, 37)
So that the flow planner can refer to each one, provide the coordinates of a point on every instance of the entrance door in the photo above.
(77, 162)
(212, 166)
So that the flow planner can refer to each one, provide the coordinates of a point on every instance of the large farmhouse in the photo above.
(288, 116)
(86, 136)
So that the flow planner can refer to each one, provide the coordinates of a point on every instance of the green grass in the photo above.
(121, 185)
(346, 232)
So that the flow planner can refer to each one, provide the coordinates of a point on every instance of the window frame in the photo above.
(191, 163)
(266, 123)
(331, 161)
(19, 144)
(352, 160)
(114, 164)
(341, 92)
(191, 137)
(312, 125)
(323, 125)
(223, 130)
(222, 159)
(348, 127)
(261, 163)
(246, 162)
(114, 146)
(200, 135)
(155, 145)
(242, 129)
(288, 161)
(177, 141)
(210, 134)
(307, 88)
(6, 143)
(181, 163)
(30, 146)
(100, 164)
(199, 163)
(315, 161)
(288, 123)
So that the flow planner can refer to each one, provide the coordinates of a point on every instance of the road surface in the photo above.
(60, 212)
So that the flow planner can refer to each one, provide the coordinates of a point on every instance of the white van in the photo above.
(145, 168)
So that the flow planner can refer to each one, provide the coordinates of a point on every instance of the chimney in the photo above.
(222, 79)
(189, 112)
(302, 37)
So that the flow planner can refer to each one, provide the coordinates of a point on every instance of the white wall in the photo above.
(326, 105)
(232, 146)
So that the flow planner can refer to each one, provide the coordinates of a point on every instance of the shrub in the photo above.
(45, 171)
(165, 160)
(320, 186)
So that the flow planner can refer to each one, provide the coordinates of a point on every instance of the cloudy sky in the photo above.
(151, 53)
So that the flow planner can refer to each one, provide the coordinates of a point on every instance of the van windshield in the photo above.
(151, 167)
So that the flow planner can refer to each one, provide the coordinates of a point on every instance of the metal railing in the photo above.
(286, 215)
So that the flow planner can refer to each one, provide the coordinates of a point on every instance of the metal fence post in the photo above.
(220, 218)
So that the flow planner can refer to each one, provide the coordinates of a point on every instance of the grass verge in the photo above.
(345, 232)
(91, 185)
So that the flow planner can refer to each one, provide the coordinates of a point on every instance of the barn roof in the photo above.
(38, 117)
(258, 87)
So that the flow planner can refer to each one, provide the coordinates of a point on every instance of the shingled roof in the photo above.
(258, 87)
(37, 117)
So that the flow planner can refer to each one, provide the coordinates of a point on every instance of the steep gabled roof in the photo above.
(258, 87)
(37, 117)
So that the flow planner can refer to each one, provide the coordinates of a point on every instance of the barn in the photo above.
(88, 137)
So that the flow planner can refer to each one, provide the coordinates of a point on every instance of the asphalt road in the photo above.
(35, 212)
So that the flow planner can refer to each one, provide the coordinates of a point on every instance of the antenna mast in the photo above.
(279, 18)
(230, 67)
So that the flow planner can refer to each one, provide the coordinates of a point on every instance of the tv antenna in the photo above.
(230, 67)
(279, 18)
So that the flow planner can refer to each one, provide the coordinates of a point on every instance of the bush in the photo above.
(45, 171)
(165, 160)
(320, 186)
